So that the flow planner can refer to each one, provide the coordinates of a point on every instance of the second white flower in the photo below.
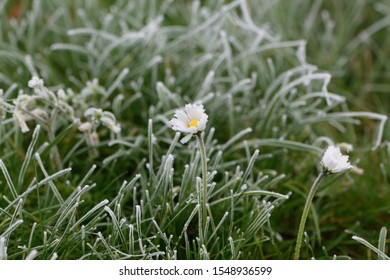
(334, 161)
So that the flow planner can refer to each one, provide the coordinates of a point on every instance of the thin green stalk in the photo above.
(306, 212)
(150, 147)
(51, 135)
(203, 191)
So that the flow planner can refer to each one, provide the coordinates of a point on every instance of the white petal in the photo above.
(202, 122)
(186, 139)
(201, 125)
(181, 115)
(177, 123)
(193, 129)
(194, 112)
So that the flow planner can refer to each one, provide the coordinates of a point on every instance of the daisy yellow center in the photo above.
(193, 123)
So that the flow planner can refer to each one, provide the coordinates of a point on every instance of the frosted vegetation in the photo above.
(91, 169)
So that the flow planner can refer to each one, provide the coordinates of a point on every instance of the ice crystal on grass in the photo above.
(97, 116)
(35, 82)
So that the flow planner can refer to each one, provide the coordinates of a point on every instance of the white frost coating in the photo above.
(54, 256)
(32, 255)
(3, 249)
(35, 82)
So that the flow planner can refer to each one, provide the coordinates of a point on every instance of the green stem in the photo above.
(52, 138)
(306, 212)
(203, 191)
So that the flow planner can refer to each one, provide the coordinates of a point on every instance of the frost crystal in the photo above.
(35, 82)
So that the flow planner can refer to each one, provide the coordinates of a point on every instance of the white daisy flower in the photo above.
(334, 161)
(192, 119)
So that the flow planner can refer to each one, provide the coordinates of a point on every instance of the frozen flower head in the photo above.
(334, 161)
(192, 119)
(35, 82)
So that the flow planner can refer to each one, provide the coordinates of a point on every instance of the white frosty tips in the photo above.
(192, 119)
(35, 82)
(334, 161)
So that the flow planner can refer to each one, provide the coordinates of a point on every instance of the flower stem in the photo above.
(203, 191)
(52, 138)
(306, 209)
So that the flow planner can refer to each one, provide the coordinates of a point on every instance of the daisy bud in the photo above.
(334, 161)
